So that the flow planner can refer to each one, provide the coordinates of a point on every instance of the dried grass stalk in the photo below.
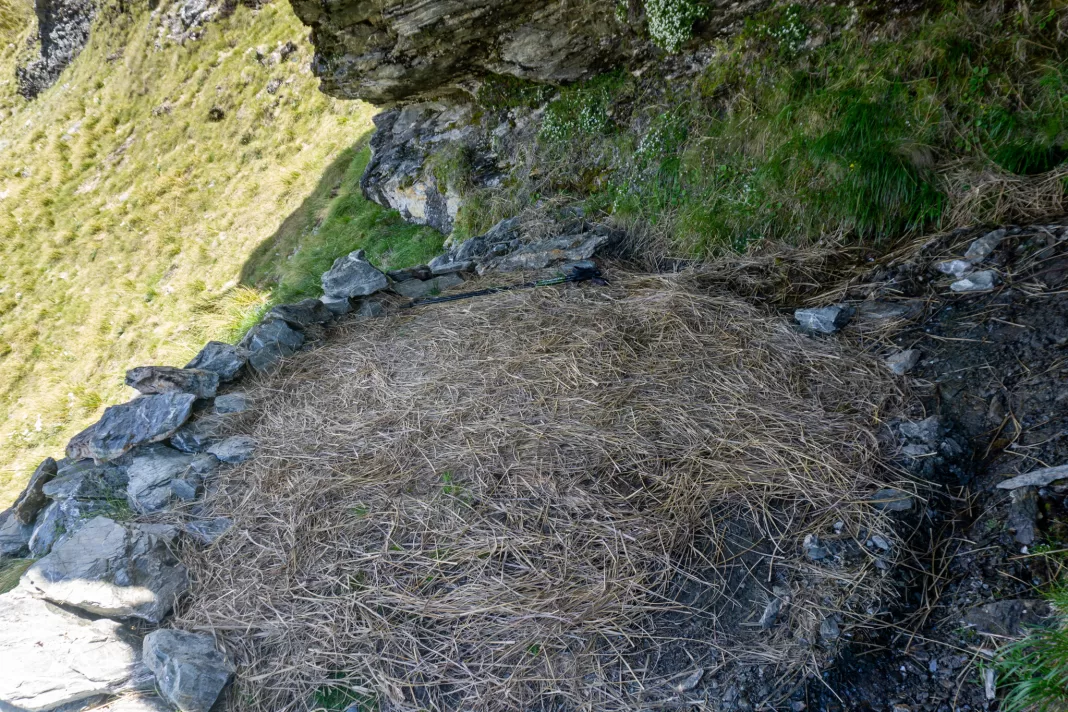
(494, 504)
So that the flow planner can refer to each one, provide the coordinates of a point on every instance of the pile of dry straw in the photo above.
(495, 504)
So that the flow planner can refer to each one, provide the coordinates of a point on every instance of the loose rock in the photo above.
(113, 570)
(1036, 478)
(14, 535)
(207, 531)
(47, 530)
(338, 306)
(892, 500)
(955, 268)
(147, 419)
(414, 288)
(976, 282)
(33, 499)
(823, 320)
(985, 245)
(151, 472)
(190, 671)
(198, 435)
(270, 342)
(153, 380)
(51, 657)
(232, 403)
(353, 276)
(903, 361)
(302, 314)
(234, 450)
(1023, 513)
(1006, 619)
(371, 309)
(220, 358)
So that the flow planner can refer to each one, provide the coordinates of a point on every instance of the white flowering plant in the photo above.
(671, 21)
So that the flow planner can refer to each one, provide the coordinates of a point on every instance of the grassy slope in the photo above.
(818, 120)
(134, 229)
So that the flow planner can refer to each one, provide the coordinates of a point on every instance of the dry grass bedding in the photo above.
(495, 504)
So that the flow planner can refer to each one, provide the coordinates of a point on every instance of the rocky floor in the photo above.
(993, 374)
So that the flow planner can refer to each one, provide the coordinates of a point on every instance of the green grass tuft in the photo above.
(1035, 669)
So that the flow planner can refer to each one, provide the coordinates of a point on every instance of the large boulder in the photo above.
(112, 569)
(153, 380)
(303, 314)
(147, 419)
(220, 358)
(33, 499)
(51, 657)
(152, 472)
(190, 671)
(384, 51)
(353, 276)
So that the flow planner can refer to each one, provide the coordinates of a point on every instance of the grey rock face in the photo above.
(976, 282)
(501, 239)
(111, 569)
(302, 314)
(64, 29)
(190, 671)
(234, 450)
(270, 342)
(903, 361)
(1036, 478)
(220, 358)
(136, 703)
(546, 253)
(390, 50)
(353, 276)
(33, 499)
(151, 472)
(414, 288)
(153, 380)
(47, 530)
(232, 403)
(85, 480)
(14, 535)
(147, 419)
(823, 320)
(51, 657)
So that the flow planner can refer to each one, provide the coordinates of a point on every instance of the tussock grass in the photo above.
(500, 504)
(1035, 669)
(133, 229)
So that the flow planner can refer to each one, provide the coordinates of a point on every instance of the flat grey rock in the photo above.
(136, 703)
(1006, 618)
(154, 380)
(976, 282)
(150, 471)
(190, 671)
(206, 531)
(271, 341)
(903, 361)
(823, 320)
(353, 276)
(546, 253)
(444, 264)
(1036, 478)
(892, 500)
(418, 272)
(232, 403)
(147, 419)
(302, 314)
(414, 288)
(234, 450)
(14, 535)
(86, 480)
(33, 499)
(983, 247)
(50, 657)
(114, 570)
(223, 359)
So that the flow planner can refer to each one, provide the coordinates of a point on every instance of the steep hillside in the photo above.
(154, 197)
